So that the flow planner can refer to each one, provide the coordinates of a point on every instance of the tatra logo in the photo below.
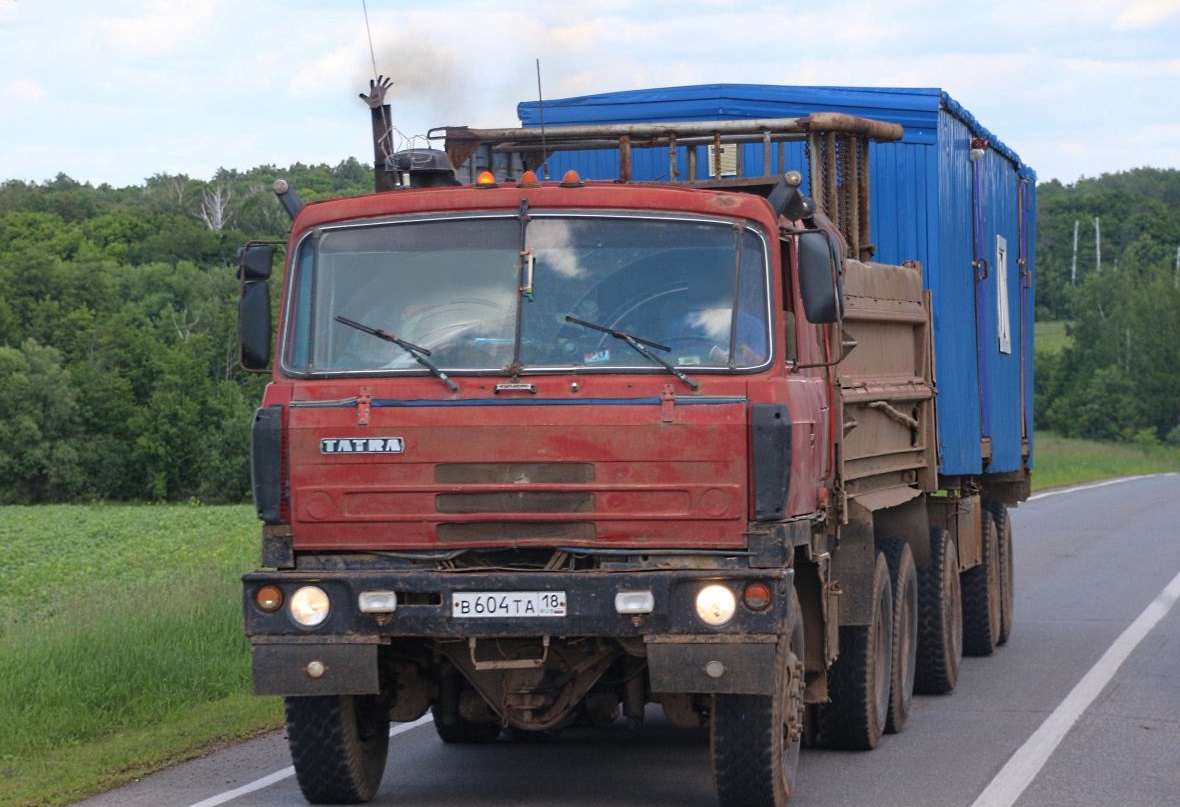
(362, 445)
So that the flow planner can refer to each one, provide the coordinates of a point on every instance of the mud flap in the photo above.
(315, 669)
(745, 668)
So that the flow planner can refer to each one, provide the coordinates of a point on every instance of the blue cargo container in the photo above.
(949, 194)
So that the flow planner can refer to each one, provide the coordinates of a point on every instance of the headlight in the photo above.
(716, 604)
(309, 606)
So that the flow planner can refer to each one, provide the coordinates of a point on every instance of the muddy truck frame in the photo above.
(538, 453)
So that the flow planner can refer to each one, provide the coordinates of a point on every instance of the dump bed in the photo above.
(949, 195)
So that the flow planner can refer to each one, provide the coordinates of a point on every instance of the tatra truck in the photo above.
(577, 420)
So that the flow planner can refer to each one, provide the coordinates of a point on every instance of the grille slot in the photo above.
(513, 473)
(514, 502)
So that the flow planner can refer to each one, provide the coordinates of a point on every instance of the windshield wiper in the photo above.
(639, 345)
(418, 353)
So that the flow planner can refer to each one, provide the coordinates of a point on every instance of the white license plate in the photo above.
(473, 604)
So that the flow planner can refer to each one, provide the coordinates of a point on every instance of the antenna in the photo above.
(541, 113)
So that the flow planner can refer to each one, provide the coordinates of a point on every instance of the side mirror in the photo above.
(821, 280)
(254, 325)
(255, 261)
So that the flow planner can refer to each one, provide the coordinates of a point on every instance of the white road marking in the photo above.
(1030, 758)
(1078, 488)
(286, 773)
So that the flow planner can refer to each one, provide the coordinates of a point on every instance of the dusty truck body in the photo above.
(541, 453)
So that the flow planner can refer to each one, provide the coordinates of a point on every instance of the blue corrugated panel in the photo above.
(930, 203)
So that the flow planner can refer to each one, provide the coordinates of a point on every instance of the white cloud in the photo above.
(159, 27)
(1146, 14)
(20, 89)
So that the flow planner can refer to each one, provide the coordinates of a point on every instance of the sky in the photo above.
(117, 91)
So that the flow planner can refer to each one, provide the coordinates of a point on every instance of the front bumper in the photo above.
(684, 654)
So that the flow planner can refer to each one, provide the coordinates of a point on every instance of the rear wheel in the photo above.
(940, 618)
(755, 739)
(1003, 523)
(903, 577)
(858, 681)
(981, 595)
(338, 745)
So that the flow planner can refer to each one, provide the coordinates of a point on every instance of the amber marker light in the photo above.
(571, 179)
(485, 179)
(269, 599)
(757, 596)
(528, 180)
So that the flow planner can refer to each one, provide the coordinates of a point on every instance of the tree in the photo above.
(38, 421)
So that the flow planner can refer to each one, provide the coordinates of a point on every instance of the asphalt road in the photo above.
(1050, 719)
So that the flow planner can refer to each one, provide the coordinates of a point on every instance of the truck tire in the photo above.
(940, 618)
(903, 577)
(1003, 521)
(858, 681)
(981, 595)
(460, 731)
(338, 746)
(754, 740)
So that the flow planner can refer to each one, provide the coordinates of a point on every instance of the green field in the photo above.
(123, 647)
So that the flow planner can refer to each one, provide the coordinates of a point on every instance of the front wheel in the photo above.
(755, 739)
(338, 746)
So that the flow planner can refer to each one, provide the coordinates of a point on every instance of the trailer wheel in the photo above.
(755, 739)
(903, 576)
(981, 595)
(338, 746)
(940, 618)
(858, 681)
(1003, 521)
(461, 731)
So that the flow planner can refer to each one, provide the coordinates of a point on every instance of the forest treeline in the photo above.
(118, 359)
(119, 377)
(1118, 379)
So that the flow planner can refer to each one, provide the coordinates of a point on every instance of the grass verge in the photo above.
(1061, 461)
(123, 646)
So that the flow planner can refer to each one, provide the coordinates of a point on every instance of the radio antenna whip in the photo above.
(541, 112)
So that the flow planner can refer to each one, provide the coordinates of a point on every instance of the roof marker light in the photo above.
(571, 180)
(486, 179)
(528, 180)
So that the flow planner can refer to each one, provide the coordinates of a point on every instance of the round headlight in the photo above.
(716, 604)
(309, 606)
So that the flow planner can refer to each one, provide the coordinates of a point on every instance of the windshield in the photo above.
(509, 294)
